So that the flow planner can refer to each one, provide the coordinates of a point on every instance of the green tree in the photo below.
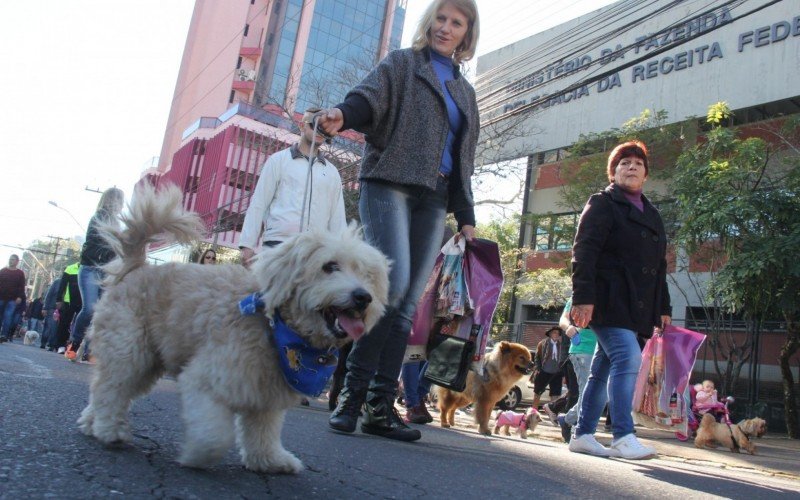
(505, 232)
(740, 197)
(584, 172)
(548, 288)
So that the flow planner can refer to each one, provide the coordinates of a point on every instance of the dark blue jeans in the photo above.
(7, 308)
(414, 386)
(615, 366)
(406, 223)
(89, 279)
(49, 331)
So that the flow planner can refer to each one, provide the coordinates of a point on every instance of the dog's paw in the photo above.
(282, 462)
(85, 421)
(114, 436)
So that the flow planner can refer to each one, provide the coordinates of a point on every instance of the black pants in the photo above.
(64, 322)
(570, 399)
(338, 376)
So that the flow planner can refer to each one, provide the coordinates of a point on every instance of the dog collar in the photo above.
(305, 368)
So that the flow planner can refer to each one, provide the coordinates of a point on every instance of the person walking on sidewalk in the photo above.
(620, 290)
(48, 337)
(581, 351)
(547, 366)
(420, 117)
(68, 302)
(12, 293)
(35, 314)
(94, 254)
(284, 185)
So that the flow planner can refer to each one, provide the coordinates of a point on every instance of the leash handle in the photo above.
(309, 178)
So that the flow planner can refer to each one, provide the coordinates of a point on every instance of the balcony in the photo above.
(244, 86)
(250, 52)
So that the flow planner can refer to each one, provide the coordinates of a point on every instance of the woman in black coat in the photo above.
(619, 291)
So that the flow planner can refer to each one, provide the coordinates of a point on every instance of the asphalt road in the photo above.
(42, 455)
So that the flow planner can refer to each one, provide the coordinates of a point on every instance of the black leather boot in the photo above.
(381, 419)
(348, 409)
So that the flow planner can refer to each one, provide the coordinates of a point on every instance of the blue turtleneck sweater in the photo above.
(443, 66)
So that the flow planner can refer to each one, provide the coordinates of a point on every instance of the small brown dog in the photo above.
(504, 366)
(523, 422)
(734, 437)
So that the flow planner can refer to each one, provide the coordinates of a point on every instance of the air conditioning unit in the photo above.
(245, 75)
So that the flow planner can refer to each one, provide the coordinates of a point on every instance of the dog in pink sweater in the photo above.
(523, 422)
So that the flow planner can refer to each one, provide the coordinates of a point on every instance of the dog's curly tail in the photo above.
(152, 216)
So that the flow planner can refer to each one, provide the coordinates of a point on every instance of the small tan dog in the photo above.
(504, 366)
(185, 320)
(734, 437)
(524, 422)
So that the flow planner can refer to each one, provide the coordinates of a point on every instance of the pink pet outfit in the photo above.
(513, 419)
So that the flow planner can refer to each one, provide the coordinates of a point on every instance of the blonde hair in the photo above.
(465, 51)
(112, 200)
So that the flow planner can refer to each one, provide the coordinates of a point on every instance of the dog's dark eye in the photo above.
(330, 267)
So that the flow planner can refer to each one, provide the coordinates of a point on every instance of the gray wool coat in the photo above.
(408, 130)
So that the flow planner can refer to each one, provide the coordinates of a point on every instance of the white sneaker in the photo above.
(629, 447)
(61, 350)
(587, 444)
(551, 415)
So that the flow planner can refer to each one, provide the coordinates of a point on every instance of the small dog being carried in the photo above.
(186, 320)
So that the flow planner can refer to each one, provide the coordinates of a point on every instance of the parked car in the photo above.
(522, 393)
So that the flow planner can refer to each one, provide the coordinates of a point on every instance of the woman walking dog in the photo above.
(420, 117)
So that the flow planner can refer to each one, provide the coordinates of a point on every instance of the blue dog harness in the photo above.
(305, 368)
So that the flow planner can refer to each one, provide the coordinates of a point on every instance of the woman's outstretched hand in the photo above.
(331, 121)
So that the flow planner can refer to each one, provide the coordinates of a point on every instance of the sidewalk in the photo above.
(777, 455)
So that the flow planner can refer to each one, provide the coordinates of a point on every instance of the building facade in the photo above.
(596, 72)
(289, 53)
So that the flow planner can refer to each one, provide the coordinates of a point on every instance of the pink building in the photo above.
(220, 159)
(289, 53)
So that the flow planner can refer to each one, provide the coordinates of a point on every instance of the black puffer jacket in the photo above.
(619, 263)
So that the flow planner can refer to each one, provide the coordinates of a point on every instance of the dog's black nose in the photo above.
(361, 298)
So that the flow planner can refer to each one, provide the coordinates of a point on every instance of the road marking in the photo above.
(34, 370)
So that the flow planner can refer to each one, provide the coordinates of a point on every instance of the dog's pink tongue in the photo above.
(354, 327)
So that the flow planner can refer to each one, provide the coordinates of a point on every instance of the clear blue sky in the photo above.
(86, 90)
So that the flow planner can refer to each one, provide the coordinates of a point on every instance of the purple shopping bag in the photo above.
(484, 281)
(667, 363)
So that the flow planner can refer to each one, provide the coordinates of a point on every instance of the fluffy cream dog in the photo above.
(734, 437)
(31, 337)
(184, 320)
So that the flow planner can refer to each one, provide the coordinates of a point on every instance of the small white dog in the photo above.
(185, 320)
(31, 338)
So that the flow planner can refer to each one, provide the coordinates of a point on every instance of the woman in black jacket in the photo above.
(619, 291)
(94, 254)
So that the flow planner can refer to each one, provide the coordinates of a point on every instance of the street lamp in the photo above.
(68, 213)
